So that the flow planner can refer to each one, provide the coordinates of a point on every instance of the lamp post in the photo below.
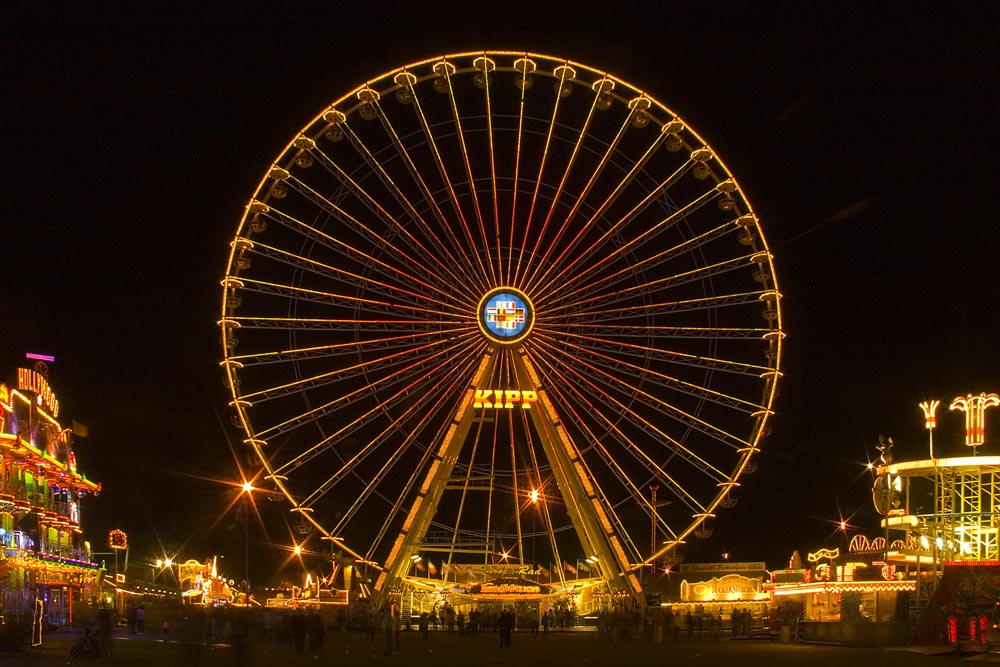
(297, 550)
(844, 553)
(533, 495)
(248, 490)
(167, 563)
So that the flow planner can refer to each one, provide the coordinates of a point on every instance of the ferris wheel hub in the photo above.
(505, 315)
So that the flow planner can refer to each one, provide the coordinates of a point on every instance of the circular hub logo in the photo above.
(505, 315)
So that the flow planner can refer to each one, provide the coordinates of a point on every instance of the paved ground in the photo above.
(442, 650)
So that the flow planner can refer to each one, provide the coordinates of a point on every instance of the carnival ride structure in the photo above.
(941, 509)
(484, 307)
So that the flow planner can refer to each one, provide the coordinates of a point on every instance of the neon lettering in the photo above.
(504, 398)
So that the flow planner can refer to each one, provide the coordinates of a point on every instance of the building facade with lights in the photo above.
(44, 561)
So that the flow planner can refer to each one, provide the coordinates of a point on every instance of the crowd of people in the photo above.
(304, 630)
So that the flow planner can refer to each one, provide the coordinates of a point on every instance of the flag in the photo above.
(585, 566)
(421, 567)
(569, 568)
(80, 430)
(432, 568)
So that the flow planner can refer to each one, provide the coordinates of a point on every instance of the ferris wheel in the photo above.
(501, 307)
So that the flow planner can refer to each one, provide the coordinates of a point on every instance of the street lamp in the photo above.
(533, 495)
(166, 563)
(846, 549)
(248, 490)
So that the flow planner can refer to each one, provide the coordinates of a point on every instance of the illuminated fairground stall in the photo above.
(939, 526)
(569, 592)
(44, 563)
(200, 583)
(717, 590)
(855, 601)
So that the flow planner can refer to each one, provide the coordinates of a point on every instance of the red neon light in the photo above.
(952, 629)
(972, 628)
(982, 629)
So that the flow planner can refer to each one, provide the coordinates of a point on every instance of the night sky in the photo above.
(865, 140)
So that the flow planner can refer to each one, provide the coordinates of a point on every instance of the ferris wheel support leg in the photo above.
(425, 506)
(588, 515)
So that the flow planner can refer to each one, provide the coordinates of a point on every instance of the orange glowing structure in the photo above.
(930, 421)
(974, 408)
(533, 275)
(42, 553)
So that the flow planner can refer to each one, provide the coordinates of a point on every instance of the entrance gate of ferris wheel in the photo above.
(589, 519)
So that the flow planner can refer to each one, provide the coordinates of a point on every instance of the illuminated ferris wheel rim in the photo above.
(404, 81)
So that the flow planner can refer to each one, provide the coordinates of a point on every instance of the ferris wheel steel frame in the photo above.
(416, 254)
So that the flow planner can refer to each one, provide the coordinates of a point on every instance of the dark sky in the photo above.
(865, 140)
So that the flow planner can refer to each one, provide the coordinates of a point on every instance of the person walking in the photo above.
(423, 624)
(386, 627)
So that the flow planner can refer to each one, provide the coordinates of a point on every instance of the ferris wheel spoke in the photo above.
(416, 266)
(541, 236)
(387, 360)
(573, 393)
(486, 65)
(467, 241)
(368, 284)
(525, 66)
(598, 170)
(615, 330)
(657, 264)
(655, 195)
(338, 350)
(365, 231)
(326, 298)
(446, 181)
(367, 417)
(350, 466)
(404, 374)
(609, 314)
(382, 326)
(586, 280)
(676, 357)
(403, 200)
(496, 268)
(594, 443)
(621, 364)
(565, 72)
(372, 204)
(594, 297)
(611, 387)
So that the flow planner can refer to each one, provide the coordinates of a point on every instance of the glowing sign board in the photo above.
(504, 398)
(29, 380)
